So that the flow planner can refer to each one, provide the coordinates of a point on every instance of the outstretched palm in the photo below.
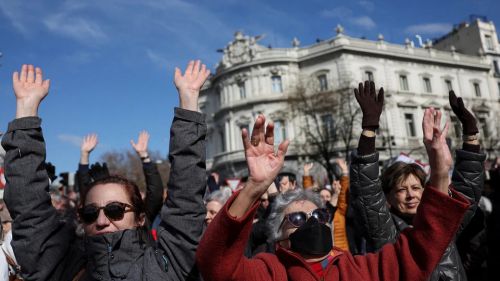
(89, 143)
(189, 84)
(263, 162)
(30, 89)
(141, 147)
(435, 140)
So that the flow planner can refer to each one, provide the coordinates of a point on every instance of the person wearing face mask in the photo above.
(304, 248)
(112, 210)
(385, 208)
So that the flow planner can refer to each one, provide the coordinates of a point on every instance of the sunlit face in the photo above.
(102, 194)
(325, 195)
(405, 196)
(213, 207)
(287, 229)
(286, 184)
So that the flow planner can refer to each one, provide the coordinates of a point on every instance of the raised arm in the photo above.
(468, 174)
(40, 238)
(154, 184)
(366, 196)
(227, 235)
(183, 213)
(89, 143)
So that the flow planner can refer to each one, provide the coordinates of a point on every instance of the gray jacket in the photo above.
(380, 226)
(46, 246)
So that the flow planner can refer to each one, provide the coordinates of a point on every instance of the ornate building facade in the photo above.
(252, 79)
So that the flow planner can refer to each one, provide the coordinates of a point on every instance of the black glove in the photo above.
(98, 172)
(51, 171)
(371, 104)
(468, 120)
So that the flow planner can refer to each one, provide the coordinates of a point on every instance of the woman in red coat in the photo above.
(304, 248)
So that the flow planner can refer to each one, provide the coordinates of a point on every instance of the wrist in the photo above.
(368, 133)
(26, 111)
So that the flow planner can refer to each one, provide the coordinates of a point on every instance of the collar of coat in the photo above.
(112, 255)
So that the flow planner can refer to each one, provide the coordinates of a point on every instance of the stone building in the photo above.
(252, 79)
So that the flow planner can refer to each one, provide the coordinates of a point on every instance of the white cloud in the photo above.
(363, 22)
(367, 5)
(429, 28)
(157, 58)
(71, 139)
(76, 28)
(339, 13)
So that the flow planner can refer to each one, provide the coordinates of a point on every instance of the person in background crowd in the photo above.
(286, 181)
(9, 269)
(112, 210)
(304, 249)
(403, 184)
(214, 203)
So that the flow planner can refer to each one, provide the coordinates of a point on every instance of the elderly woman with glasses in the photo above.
(304, 248)
(112, 211)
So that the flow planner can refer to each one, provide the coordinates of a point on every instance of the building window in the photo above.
(495, 66)
(279, 131)
(328, 125)
(277, 85)
(323, 83)
(477, 89)
(410, 125)
(427, 85)
(449, 86)
(242, 90)
(489, 42)
(485, 133)
(403, 83)
(457, 127)
(222, 141)
(369, 76)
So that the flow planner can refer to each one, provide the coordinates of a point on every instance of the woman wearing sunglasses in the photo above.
(304, 249)
(112, 211)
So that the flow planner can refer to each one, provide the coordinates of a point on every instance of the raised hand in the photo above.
(307, 168)
(438, 152)
(371, 104)
(89, 142)
(30, 89)
(342, 165)
(469, 123)
(189, 84)
(263, 162)
(141, 147)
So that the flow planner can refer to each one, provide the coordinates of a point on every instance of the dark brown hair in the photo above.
(398, 172)
(130, 188)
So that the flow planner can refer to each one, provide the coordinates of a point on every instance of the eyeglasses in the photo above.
(297, 219)
(114, 211)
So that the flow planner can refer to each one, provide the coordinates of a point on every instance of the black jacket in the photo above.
(379, 226)
(46, 246)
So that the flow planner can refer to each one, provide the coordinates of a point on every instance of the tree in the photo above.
(126, 163)
(327, 119)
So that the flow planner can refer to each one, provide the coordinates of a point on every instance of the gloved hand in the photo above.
(468, 120)
(98, 172)
(371, 104)
(51, 171)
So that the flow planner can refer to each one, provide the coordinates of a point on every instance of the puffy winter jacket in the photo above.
(379, 226)
(46, 246)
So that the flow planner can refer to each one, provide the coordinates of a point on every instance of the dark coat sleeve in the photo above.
(41, 239)
(154, 190)
(468, 179)
(184, 212)
(369, 204)
(83, 178)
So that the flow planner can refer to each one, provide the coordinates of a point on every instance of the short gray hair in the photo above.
(218, 196)
(279, 205)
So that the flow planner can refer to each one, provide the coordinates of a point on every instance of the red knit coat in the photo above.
(413, 257)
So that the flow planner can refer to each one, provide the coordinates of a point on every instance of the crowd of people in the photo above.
(401, 223)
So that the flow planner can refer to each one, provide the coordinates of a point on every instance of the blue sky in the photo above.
(111, 61)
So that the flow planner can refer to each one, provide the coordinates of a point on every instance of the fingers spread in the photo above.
(245, 139)
(361, 90)
(282, 148)
(189, 68)
(380, 97)
(367, 89)
(258, 129)
(15, 77)
(372, 89)
(196, 69)
(24, 73)
(39, 77)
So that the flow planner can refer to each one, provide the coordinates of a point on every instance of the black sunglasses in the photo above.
(297, 219)
(114, 211)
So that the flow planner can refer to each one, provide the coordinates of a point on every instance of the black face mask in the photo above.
(312, 239)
